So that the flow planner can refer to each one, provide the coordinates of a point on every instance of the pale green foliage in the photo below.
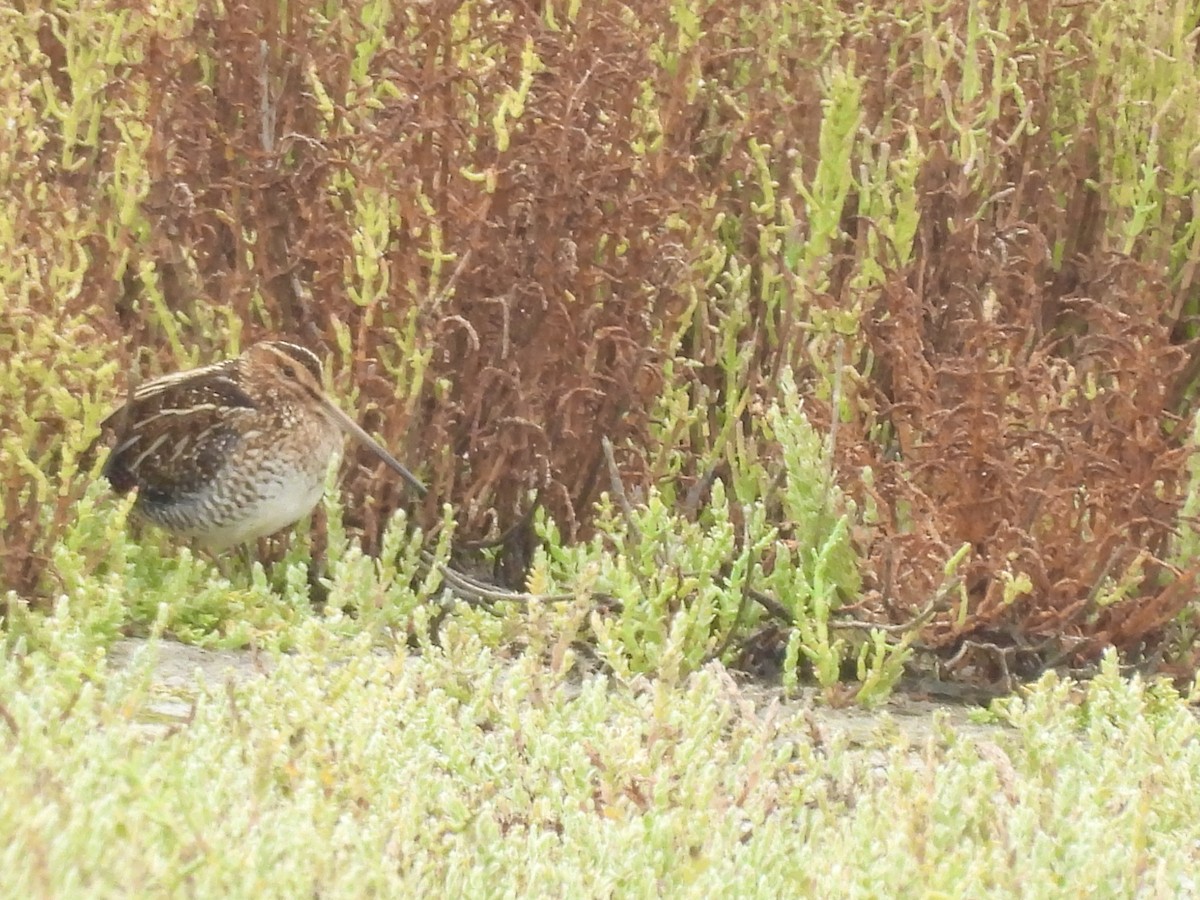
(684, 583)
(1151, 159)
(825, 197)
(681, 583)
(347, 771)
(394, 591)
(1187, 549)
(813, 506)
(111, 578)
(816, 568)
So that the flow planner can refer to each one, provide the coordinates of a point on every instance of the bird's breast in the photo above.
(263, 486)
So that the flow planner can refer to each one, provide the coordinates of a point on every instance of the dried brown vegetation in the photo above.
(503, 254)
(539, 319)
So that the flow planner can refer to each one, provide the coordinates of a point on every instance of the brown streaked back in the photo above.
(175, 432)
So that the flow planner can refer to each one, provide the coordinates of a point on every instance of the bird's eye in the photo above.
(289, 371)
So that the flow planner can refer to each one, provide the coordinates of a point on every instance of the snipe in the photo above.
(230, 452)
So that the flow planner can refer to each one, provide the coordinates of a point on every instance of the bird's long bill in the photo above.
(353, 429)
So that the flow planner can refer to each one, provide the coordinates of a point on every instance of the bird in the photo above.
(230, 452)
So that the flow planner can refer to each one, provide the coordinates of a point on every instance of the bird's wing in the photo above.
(174, 434)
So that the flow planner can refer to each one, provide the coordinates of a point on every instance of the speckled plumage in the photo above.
(230, 452)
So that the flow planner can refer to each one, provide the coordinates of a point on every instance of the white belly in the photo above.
(278, 496)
(290, 501)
